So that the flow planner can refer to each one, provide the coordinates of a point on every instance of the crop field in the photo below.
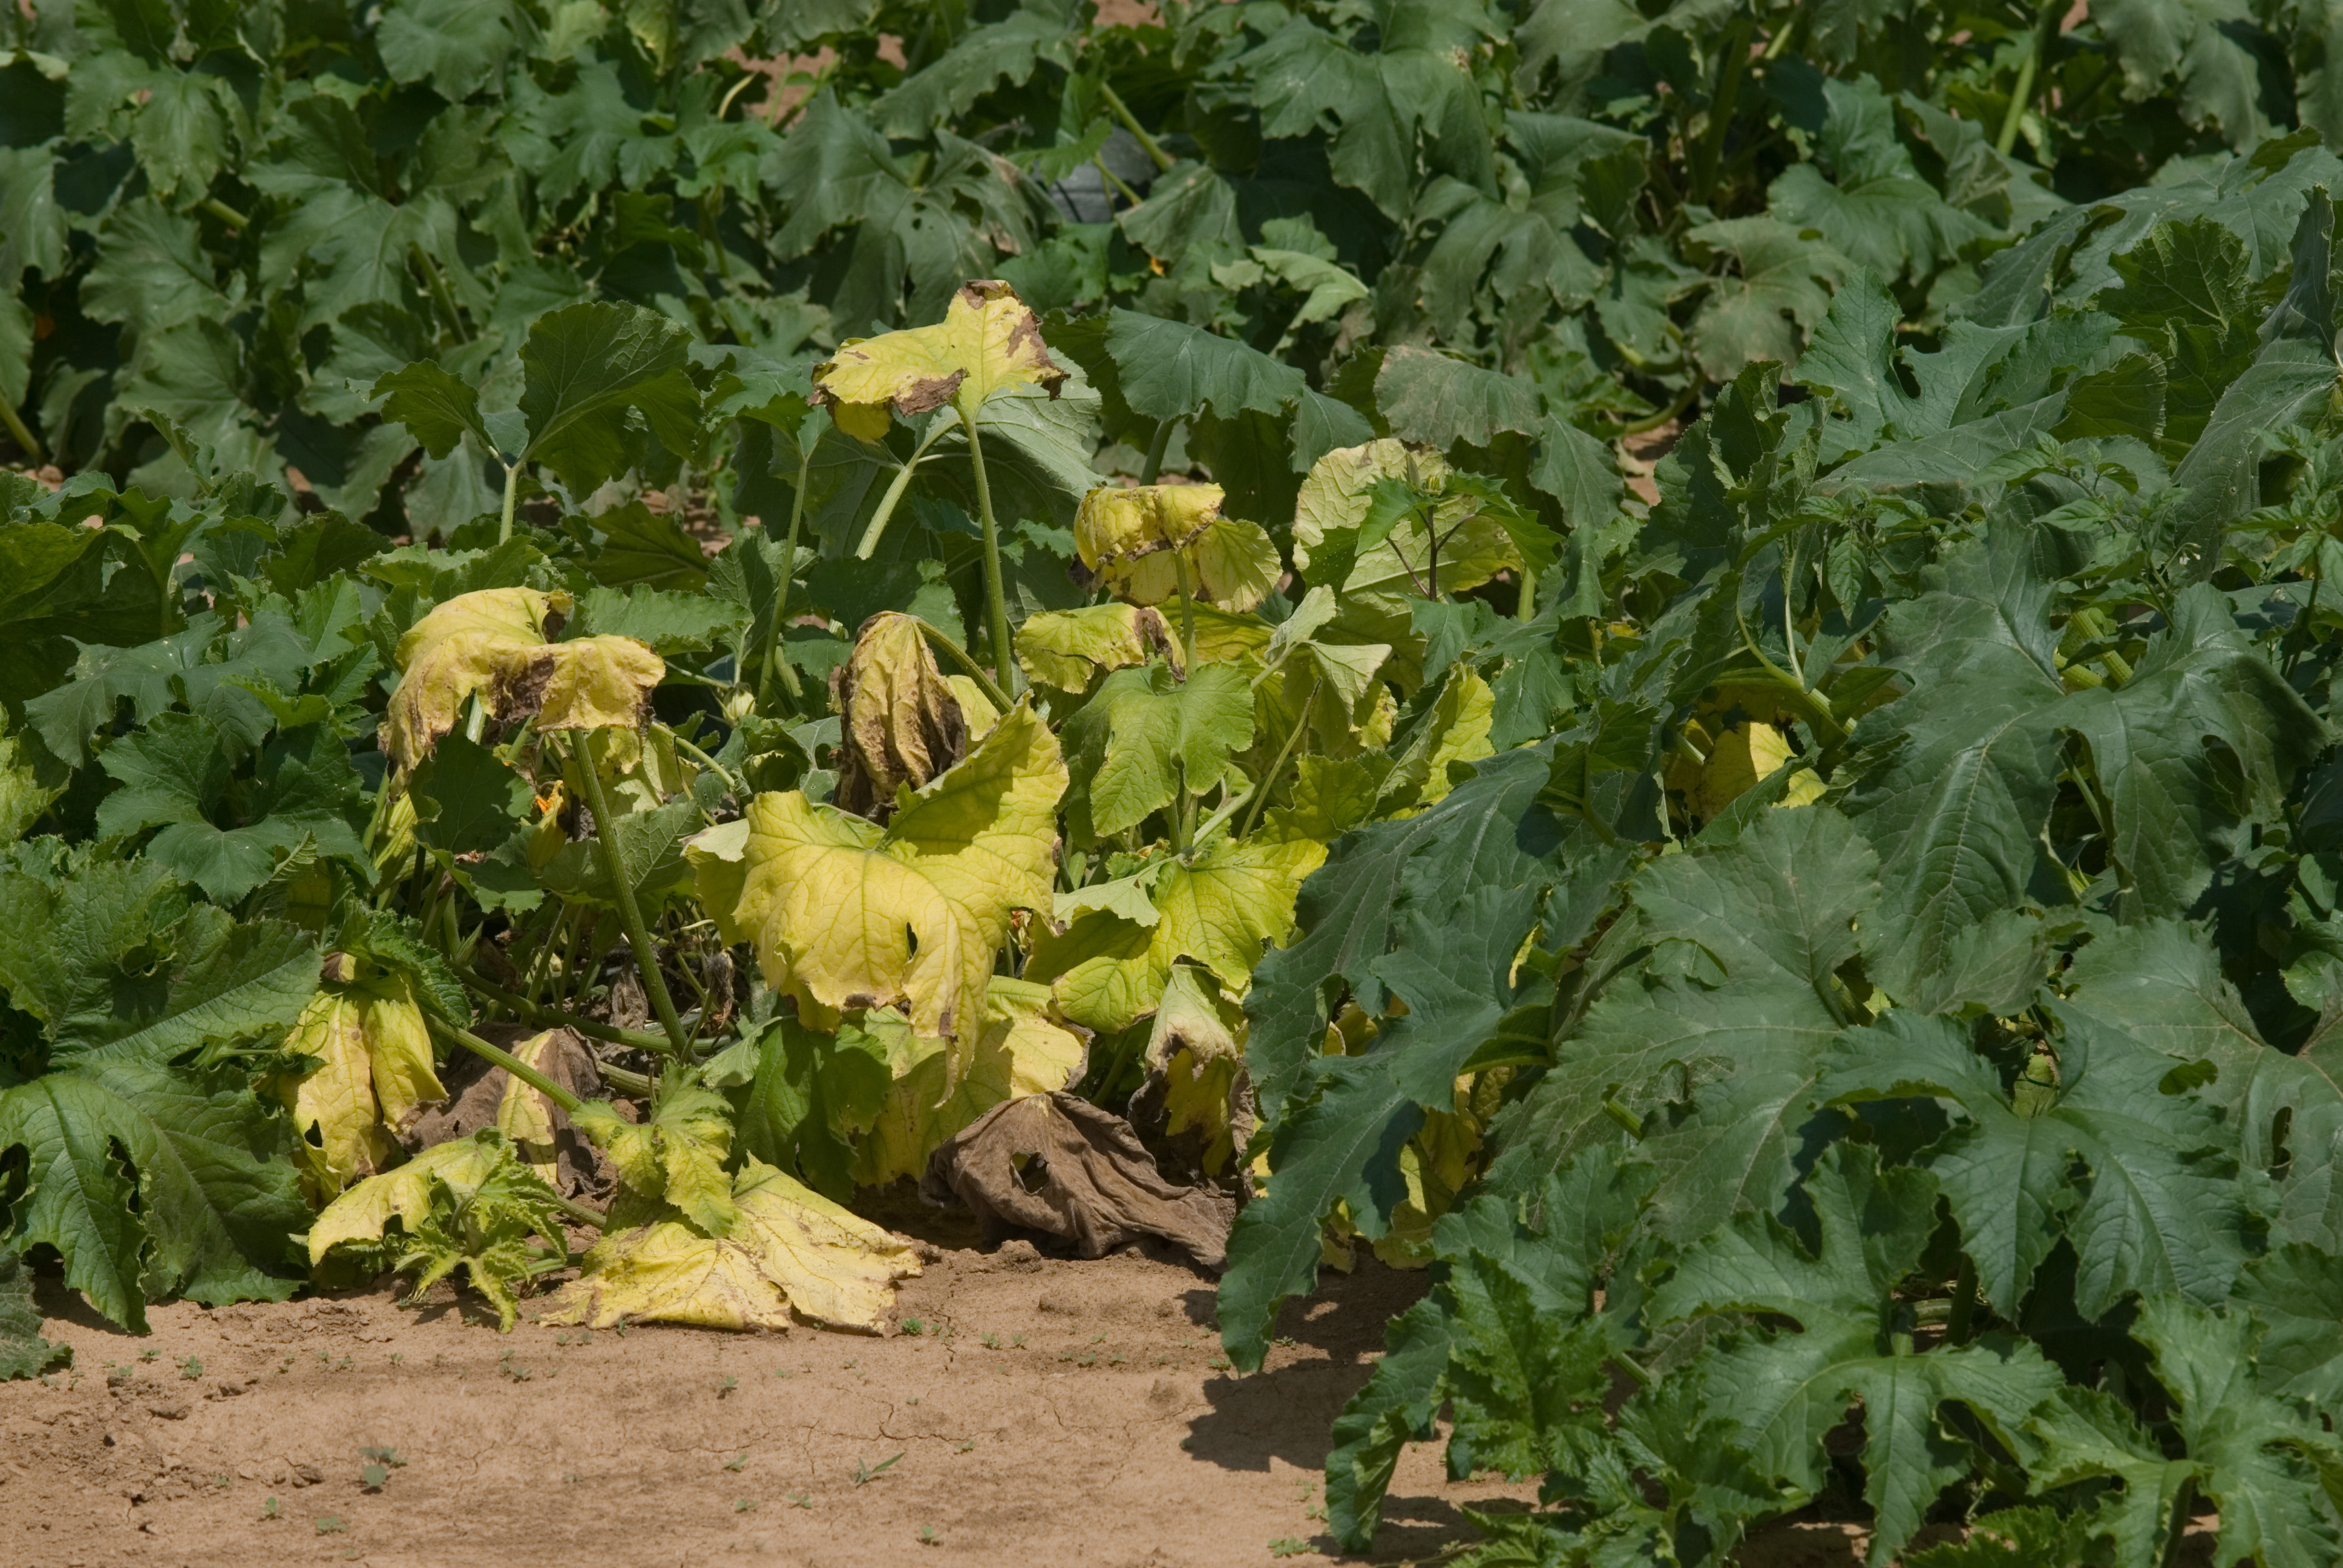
(1532, 783)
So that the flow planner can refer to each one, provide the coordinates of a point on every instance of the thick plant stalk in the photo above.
(789, 562)
(996, 599)
(512, 495)
(969, 667)
(1187, 615)
(630, 914)
(894, 496)
(2022, 95)
(20, 433)
(528, 1011)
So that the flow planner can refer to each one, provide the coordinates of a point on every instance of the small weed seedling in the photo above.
(382, 1455)
(223, 1481)
(1016, 1341)
(150, 1354)
(800, 1500)
(914, 1327)
(398, 1357)
(964, 1447)
(1290, 1547)
(372, 1476)
(991, 1341)
(737, 1463)
(743, 1505)
(271, 1510)
(729, 1385)
(331, 1525)
(864, 1472)
(190, 1368)
(928, 1536)
(910, 1401)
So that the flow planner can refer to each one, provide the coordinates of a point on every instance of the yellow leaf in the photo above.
(677, 1156)
(1221, 909)
(1067, 649)
(524, 1116)
(1024, 1050)
(1135, 538)
(1388, 576)
(901, 723)
(987, 343)
(493, 644)
(1455, 730)
(1195, 1058)
(791, 1247)
(364, 1211)
(845, 916)
(375, 1066)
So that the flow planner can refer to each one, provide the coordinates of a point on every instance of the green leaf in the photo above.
(979, 61)
(1779, 290)
(812, 1093)
(1439, 401)
(2262, 1461)
(199, 1203)
(439, 409)
(23, 1352)
(2160, 1213)
(1145, 736)
(586, 366)
(467, 800)
(1787, 1390)
(1170, 369)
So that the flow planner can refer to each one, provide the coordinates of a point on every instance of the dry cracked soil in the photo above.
(1045, 1413)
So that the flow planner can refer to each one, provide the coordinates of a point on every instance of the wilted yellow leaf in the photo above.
(364, 1211)
(1135, 539)
(847, 916)
(1196, 1060)
(1335, 498)
(375, 1066)
(790, 1248)
(493, 644)
(901, 723)
(1024, 1050)
(987, 342)
(1065, 648)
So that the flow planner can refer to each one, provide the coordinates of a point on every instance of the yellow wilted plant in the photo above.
(365, 1030)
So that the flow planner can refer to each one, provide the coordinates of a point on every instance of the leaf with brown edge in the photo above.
(1136, 539)
(374, 1067)
(901, 722)
(1067, 649)
(494, 644)
(1195, 1068)
(1025, 1049)
(1098, 1186)
(987, 343)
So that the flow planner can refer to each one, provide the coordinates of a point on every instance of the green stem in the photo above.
(1654, 421)
(894, 496)
(527, 1011)
(1115, 180)
(1965, 1284)
(996, 598)
(969, 667)
(630, 914)
(2038, 43)
(1269, 779)
(225, 213)
(1187, 614)
(1122, 111)
(1732, 64)
(512, 496)
(1526, 610)
(581, 933)
(739, 791)
(569, 1103)
(20, 433)
(790, 559)
(1155, 449)
(441, 295)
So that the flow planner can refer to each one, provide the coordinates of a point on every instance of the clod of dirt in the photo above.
(477, 1089)
(1058, 1164)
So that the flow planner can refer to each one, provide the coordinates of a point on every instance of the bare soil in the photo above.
(1047, 1412)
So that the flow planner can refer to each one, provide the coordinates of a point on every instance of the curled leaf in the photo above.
(677, 1156)
(790, 1249)
(494, 643)
(1195, 1068)
(1025, 1049)
(900, 721)
(374, 1068)
(1135, 539)
(1067, 649)
(1058, 1164)
(987, 343)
